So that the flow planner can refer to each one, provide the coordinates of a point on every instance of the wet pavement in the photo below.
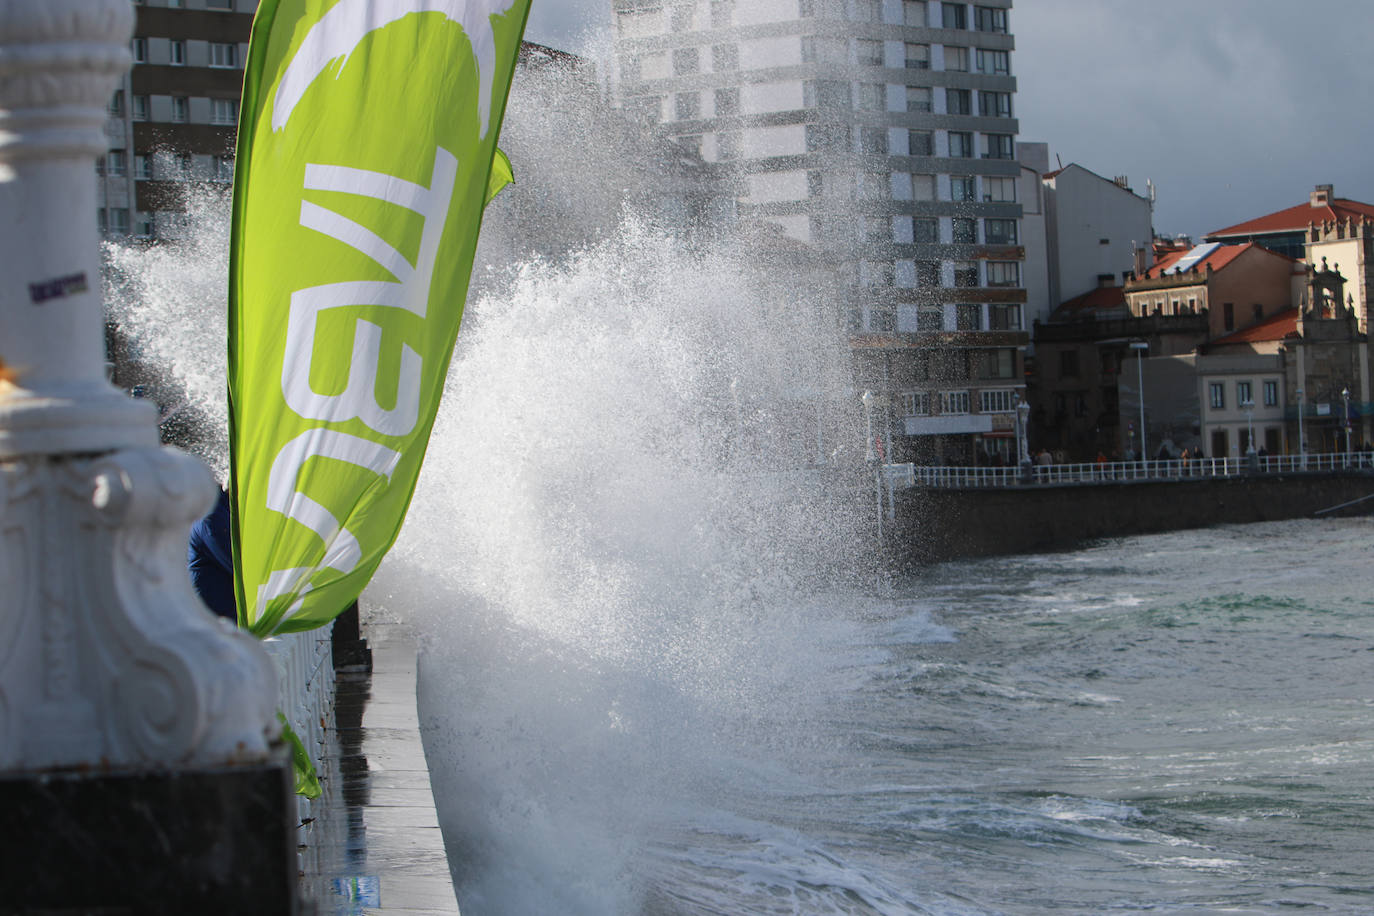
(375, 846)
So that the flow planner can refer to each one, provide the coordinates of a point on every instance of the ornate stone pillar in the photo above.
(139, 769)
(106, 656)
(124, 704)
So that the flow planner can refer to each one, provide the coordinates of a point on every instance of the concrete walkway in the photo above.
(379, 849)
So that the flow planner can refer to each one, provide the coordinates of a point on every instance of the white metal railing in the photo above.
(898, 476)
(305, 695)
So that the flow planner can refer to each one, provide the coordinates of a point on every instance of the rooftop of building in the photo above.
(1278, 326)
(1211, 255)
(1104, 300)
(1322, 206)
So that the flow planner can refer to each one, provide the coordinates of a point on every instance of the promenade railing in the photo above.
(901, 476)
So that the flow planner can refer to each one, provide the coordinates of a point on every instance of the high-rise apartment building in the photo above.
(883, 133)
(173, 119)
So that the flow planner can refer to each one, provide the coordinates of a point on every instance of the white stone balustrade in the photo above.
(107, 658)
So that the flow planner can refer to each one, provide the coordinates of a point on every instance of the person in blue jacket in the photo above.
(211, 560)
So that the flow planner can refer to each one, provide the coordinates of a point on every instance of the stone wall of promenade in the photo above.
(934, 524)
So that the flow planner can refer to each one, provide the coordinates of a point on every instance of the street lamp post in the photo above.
(1022, 436)
(1251, 456)
(1302, 438)
(1140, 346)
(1345, 396)
(870, 400)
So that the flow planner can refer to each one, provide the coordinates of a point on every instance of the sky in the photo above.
(1232, 108)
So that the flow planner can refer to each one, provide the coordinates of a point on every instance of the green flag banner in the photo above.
(366, 152)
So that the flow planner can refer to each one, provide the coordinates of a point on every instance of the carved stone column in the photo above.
(118, 690)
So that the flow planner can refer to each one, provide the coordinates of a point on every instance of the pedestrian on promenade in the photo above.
(209, 556)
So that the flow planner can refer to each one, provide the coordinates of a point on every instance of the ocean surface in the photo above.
(1175, 723)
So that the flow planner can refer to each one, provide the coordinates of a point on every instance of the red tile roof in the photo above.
(1275, 327)
(1094, 300)
(1218, 259)
(1297, 218)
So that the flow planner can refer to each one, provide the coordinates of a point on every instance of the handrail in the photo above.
(901, 476)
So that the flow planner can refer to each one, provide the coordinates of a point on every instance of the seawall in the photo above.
(934, 524)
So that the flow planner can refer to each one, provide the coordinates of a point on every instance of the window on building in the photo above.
(217, 4)
(963, 187)
(722, 13)
(994, 104)
(140, 49)
(961, 145)
(917, 56)
(873, 141)
(223, 111)
(1068, 364)
(1109, 362)
(682, 17)
(806, 9)
(1004, 317)
(143, 166)
(868, 11)
(1004, 273)
(180, 109)
(914, 13)
(687, 105)
(956, 59)
(968, 317)
(119, 220)
(1228, 315)
(224, 55)
(920, 143)
(998, 400)
(174, 4)
(916, 403)
(918, 99)
(871, 96)
(178, 52)
(1243, 394)
(925, 231)
(954, 402)
(990, 19)
(999, 190)
(222, 168)
(1271, 393)
(143, 226)
(868, 53)
(929, 319)
(874, 186)
(1258, 312)
(958, 102)
(139, 109)
(922, 187)
(727, 102)
(965, 231)
(999, 146)
(1217, 395)
(686, 61)
(646, 108)
(826, 94)
(928, 273)
(815, 184)
(997, 63)
(827, 138)
(877, 229)
(965, 274)
(725, 57)
(727, 145)
(875, 273)
(116, 106)
(115, 163)
(999, 231)
(953, 16)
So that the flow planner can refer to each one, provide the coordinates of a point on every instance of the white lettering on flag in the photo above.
(343, 28)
